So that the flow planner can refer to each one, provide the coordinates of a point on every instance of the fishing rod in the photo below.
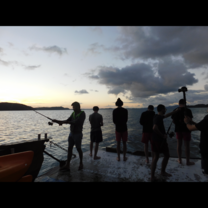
(49, 123)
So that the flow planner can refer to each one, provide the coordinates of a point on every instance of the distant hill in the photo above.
(4, 106)
(198, 106)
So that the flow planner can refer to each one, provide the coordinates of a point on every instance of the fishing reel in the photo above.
(183, 89)
(171, 134)
(50, 123)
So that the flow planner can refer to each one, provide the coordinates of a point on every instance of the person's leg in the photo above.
(165, 161)
(187, 151)
(179, 145)
(96, 150)
(146, 152)
(153, 166)
(91, 147)
(78, 142)
(118, 150)
(124, 151)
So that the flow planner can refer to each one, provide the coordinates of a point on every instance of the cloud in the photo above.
(94, 49)
(206, 87)
(10, 44)
(142, 81)
(1, 50)
(31, 67)
(93, 77)
(189, 42)
(50, 49)
(81, 92)
(9, 63)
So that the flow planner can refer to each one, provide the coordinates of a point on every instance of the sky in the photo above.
(48, 66)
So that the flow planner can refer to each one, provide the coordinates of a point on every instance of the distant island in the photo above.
(198, 106)
(4, 106)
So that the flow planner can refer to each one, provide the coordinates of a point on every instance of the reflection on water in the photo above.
(26, 125)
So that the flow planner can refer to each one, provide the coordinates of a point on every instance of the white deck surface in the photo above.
(108, 169)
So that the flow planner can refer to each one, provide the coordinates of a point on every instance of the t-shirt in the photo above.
(146, 120)
(95, 120)
(203, 145)
(120, 118)
(178, 119)
(158, 120)
(78, 121)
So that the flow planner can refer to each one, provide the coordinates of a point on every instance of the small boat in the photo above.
(14, 166)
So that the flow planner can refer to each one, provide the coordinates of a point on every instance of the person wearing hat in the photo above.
(75, 136)
(96, 121)
(146, 120)
(120, 118)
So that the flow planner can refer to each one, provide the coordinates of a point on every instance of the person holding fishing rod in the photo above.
(159, 142)
(75, 136)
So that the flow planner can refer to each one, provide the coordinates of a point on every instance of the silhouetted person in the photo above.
(182, 132)
(146, 120)
(203, 145)
(120, 118)
(96, 121)
(159, 142)
(75, 137)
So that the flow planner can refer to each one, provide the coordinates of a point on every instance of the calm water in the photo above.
(26, 125)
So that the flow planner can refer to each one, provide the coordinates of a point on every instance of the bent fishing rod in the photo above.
(49, 123)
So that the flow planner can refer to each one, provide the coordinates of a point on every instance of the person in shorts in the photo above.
(146, 120)
(96, 121)
(75, 136)
(182, 132)
(120, 118)
(159, 142)
(203, 145)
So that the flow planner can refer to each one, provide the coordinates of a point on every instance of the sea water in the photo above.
(17, 126)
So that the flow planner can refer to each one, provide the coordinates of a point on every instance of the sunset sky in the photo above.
(55, 66)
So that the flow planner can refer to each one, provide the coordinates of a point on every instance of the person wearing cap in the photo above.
(146, 120)
(120, 118)
(75, 136)
(182, 132)
(96, 121)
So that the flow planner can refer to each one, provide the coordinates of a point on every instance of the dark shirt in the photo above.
(178, 119)
(95, 120)
(158, 120)
(120, 118)
(146, 120)
(78, 121)
(203, 145)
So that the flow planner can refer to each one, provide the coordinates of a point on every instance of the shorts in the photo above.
(121, 135)
(146, 137)
(96, 136)
(186, 136)
(75, 139)
(204, 164)
(156, 147)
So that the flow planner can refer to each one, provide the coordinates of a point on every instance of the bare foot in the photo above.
(90, 154)
(166, 174)
(80, 167)
(125, 158)
(118, 159)
(179, 161)
(190, 163)
(97, 158)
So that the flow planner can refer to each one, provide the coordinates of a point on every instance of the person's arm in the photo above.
(142, 119)
(157, 131)
(90, 119)
(171, 113)
(126, 115)
(188, 122)
(60, 122)
(101, 123)
(114, 117)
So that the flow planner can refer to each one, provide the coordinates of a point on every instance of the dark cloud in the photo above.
(189, 42)
(32, 67)
(50, 49)
(93, 77)
(141, 80)
(81, 92)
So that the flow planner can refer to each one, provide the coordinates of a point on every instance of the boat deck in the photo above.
(108, 169)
